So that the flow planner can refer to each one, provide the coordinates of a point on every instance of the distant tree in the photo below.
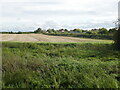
(112, 31)
(102, 31)
(84, 31)
(95, 30)
(88, 32)
(51, 30)
(66, 30)
(19, 32)
(39, 30)
(11, 32)
(61, 30)
(77, 30)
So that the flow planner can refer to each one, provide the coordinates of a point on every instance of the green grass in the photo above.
(60, 65)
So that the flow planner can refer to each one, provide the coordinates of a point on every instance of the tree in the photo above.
(51, 30)
(88, 32)
(94, 31)
(112, 31)
(11, 32)
(19, 32)
(102, 31)
(77, 30)
(66, 30)
(39, 30)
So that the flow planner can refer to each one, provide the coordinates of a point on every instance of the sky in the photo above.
(28, 15)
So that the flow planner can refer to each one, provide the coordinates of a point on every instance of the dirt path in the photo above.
(42, 38)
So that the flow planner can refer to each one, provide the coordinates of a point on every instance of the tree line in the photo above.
(92, 31)
(101, 33)
(53, 31)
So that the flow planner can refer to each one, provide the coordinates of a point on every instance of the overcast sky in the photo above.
(28, 15)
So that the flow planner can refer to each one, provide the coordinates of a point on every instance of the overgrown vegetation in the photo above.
(65, 65)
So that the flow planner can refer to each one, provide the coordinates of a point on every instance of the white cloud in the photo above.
(30, 14)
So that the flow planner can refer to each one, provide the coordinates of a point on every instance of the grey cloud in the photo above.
(59, 12)
(55, 25)
(51, 24)
(17, 27)
(76, 16)
(28, 1)
(85, 25)
(43, 2)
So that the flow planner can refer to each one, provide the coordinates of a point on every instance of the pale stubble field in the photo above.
(44, 38)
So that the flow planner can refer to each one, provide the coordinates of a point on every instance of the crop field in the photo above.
(59, 65)
(44, 38)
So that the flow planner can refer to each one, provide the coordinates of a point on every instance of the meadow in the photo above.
(60, 65)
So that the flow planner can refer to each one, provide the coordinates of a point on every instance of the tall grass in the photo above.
(53, 65)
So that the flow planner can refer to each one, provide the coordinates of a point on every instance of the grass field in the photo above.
(60, 65)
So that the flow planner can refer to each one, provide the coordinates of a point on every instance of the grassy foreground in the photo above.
(55, 65)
